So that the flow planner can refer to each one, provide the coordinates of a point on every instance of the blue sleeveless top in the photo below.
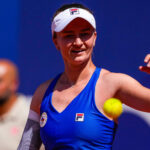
(81, 126)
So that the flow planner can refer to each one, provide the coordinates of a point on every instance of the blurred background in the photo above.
(123, 41)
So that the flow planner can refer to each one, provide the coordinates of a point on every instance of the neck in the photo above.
(7, 105)
(75, 74)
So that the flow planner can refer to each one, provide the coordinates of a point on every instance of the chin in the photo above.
(80, 61)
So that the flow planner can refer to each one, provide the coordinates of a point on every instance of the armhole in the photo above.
(51, 86)
(38, 96)
(41, 92)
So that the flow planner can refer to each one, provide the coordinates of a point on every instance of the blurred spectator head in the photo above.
(9, 80)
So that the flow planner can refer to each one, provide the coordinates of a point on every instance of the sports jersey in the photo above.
(81, 126)
(12, 123)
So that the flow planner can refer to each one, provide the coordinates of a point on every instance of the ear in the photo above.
(14, 85)
(95, 37)
(55, 42)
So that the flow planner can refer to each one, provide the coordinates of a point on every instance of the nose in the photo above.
(77, 41)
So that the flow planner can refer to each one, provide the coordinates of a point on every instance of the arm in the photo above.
(132, 93)
(31, 135)
(147, 67)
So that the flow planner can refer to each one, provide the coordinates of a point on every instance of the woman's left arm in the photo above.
(131, 92)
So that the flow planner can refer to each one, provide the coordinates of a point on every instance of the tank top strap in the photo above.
(52, 85)
(94, 77)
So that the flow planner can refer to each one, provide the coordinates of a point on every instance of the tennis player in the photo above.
(66, 112)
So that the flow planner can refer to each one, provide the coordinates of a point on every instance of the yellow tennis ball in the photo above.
(113, 108)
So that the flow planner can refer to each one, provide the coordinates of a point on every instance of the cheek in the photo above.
(92, 40)
(90, 44)
(65, 46)
(66, 42)
(3, 87)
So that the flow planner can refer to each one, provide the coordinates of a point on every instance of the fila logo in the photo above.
(74, 11)
(79, 117)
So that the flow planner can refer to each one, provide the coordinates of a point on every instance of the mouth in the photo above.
(77, 51)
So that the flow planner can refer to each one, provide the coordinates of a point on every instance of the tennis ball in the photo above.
(113, 108)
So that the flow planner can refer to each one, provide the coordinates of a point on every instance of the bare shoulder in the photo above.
(109, 80)
(114, 77)
(115, 81)
(107, 76)
(38, 96)
(120, 81)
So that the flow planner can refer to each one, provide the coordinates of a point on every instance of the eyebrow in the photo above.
(86, 29)
(67, 31)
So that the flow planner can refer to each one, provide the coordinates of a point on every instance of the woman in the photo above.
(70, 105)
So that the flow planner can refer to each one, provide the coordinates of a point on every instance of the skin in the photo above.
(8, 85)
(147, 67)
(79, 68)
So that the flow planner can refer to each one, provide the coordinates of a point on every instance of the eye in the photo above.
(85, 35)
(69, 36)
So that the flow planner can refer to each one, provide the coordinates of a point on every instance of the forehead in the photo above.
(3, 70)
(6, 69)
(78, 24)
